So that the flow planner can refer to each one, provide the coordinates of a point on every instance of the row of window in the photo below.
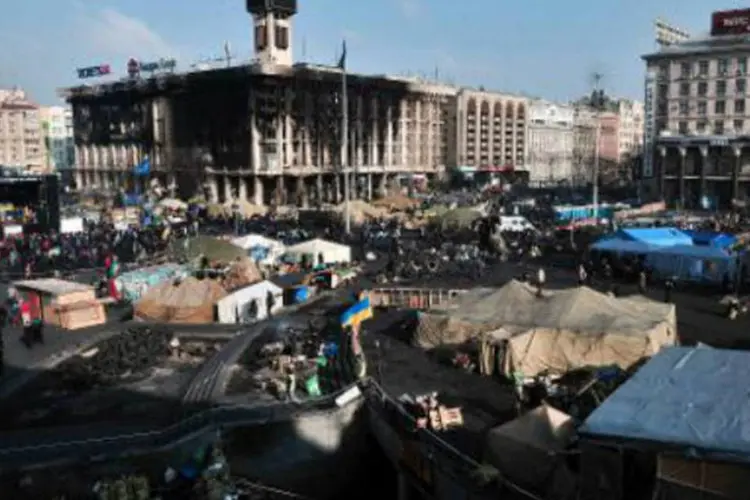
(719, 128)
(724, 66)
(701, 88)
(720, 107)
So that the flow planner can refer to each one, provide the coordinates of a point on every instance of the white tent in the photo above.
(238, 307)
(528, 450)
(331, 252)
(260, 248)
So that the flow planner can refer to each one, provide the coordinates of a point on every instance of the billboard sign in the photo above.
(94, 71)
(730, 22)
(160, 65)
(649, 124)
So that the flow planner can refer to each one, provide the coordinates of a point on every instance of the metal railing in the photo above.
(40, 450)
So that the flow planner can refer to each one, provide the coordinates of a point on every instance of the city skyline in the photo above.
(542, 56)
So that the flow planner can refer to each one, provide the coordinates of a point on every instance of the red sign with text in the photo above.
(730, 22)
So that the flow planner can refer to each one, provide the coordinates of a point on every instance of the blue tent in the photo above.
(617, 245)
(711, 238)
(657, 236)
(693, 263)
(694, 399)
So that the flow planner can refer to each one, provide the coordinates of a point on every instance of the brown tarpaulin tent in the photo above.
(562, 330)
(182, 301)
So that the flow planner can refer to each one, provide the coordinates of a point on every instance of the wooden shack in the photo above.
(66, 304)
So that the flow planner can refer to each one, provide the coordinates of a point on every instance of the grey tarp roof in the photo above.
(213, 248)
(689, 397)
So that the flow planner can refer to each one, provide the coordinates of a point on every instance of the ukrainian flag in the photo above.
(357, 313)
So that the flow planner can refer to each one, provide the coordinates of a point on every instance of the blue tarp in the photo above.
(658, 236)
(618, 245)
(692, 263)
(710, 238)
(690, 397)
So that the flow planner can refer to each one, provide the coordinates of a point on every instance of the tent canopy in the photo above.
(658, 236)
(693, 398)
(526, 448)
(188, 300)
(256, 240)
(621, 246)
(332, 252)
(564, 329)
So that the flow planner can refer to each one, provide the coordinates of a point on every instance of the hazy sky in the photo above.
(539, 47)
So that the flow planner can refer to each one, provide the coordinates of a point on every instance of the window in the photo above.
(684, 108)
(738, 125)
(739, 106)
(662, 90)
(701, 126)
(719, 127)
(722, 66)
(685, 70)
(684, 89)
(720, 107)
(721, 88)
(682, 128)
(702, 108)
(261, 37)
(702, 89)
(742, 65)
(282, 37)
(740, 86)
(703, 68)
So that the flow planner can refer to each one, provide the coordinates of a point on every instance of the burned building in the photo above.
(268, 131)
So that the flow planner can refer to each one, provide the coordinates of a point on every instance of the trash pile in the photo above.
(125, 356)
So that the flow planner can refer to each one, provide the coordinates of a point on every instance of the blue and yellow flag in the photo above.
(357, 313)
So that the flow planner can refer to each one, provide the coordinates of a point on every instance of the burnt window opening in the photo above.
(282, 37)
(261, 37)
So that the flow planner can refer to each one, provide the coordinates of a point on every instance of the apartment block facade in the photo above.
(21, 142)
(550, 142)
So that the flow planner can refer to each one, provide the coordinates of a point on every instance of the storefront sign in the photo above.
(136, 67)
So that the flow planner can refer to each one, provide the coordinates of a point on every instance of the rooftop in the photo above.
(703, 45)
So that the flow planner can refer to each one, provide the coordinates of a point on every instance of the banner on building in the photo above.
(94, 71)
(649, 124)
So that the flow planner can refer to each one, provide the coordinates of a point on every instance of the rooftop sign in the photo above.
(94, 71)
(730, 22)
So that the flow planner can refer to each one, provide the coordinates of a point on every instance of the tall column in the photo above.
(288, 132)
(281, 197)
(737, 150)
(704, 167)
(359, 132)
(319, 193)
(388, 160)
(369, 187)
(374, 103)
(308, 157)
(242, 188)
(228, 194)
(662, 157)
(337, 188)
(213, 189)
(681, 176)
(258, 194)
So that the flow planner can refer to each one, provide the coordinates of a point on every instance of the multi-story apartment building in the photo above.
(271, 130)
(57, 129)
(630, 132)
(697, 140)
(585, 123)
(491, 130)
(550, 142)
(21, 143)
